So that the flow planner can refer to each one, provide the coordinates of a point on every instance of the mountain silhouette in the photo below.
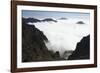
(48, 20)
(63, 18)
(32, 20)
(80, 22)
(82, 50)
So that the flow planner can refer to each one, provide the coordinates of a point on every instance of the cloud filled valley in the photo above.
(55, 36)
(64, 34)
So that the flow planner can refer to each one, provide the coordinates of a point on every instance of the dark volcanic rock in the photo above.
(82, 50)
(33, 46)
(48, 20)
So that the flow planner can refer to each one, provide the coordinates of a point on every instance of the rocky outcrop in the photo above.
(32, 20)
(82, 50)
(80, 22)
(48, 20)
(33, 46)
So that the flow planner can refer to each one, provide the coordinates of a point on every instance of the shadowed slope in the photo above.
(33, 46)
(82, 50)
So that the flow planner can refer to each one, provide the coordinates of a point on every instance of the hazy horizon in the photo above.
(54, 14)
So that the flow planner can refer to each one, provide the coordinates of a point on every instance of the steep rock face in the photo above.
(33, 46)
(82, 50)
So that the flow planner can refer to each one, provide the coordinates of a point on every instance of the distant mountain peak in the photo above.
(35, 20)
(80, 22)
(48, 19)
(30, 19)
(62, 18)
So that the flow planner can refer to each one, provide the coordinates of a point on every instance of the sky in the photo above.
(53, 14)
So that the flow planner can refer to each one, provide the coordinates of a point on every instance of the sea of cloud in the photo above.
(63, 35)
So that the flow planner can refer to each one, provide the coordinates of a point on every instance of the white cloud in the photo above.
(64, 34)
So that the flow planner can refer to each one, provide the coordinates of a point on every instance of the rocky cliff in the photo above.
(82, 50)
(33, 45)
